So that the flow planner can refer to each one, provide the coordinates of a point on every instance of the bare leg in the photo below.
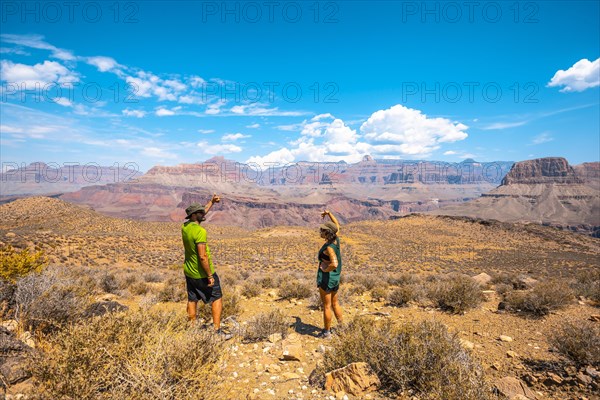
(217, 308)
(326, 299)
(337, 309)
(191, 311)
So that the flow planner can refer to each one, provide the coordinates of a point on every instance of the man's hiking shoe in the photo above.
(222, 335)
(325, 334)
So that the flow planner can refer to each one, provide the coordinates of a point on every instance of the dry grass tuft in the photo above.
(423, 357)
(130, 356)
(542, 299)
(456, 293)
(579, 342)
(265, 324)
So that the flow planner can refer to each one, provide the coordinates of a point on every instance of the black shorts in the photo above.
(327, 289)
(198, 289)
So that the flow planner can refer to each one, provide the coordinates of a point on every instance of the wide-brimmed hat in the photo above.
(329, 226)
(194, 207)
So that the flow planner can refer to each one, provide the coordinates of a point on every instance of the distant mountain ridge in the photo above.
(547, 191)
(291, 194)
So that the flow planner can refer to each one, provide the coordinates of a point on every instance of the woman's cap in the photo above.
(329, 226)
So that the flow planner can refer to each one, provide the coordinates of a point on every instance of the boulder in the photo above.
(14, 370)
(292, 348)
(356, 379)
(512, 388)
(482, 279)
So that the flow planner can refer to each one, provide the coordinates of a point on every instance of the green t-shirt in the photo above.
(192, 234)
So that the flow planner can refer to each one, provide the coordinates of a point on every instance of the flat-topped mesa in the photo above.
(542, 171)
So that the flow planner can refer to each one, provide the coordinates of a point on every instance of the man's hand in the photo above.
(211, 281)
(324, 214)
(215, 198)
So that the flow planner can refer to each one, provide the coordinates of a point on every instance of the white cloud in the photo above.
(14, 50)
(206, 130)
(103, 64)
(218, 148)
(503, 125)
(279, 157)
(46, 73)
(163, 112)
(37, 42)
(253, 126)
(134, 113)
(215, 108)
(256, 109)
(543, 137)
(156, 152)
(63, 102)
(449, 153)
(409, 132)
(584, 74)
(234, 136)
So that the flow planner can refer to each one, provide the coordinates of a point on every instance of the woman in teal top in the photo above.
(330, 268)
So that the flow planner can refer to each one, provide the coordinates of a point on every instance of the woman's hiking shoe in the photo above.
(325, 334)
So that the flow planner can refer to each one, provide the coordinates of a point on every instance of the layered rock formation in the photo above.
(293, 194)
(547, 191)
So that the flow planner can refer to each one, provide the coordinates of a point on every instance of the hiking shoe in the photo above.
(222, 335)
(325, 334)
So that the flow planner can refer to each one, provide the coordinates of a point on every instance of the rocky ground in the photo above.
(147, 255)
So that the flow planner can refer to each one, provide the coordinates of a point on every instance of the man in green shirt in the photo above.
(201, 279)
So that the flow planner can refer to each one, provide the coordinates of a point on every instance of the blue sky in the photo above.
(153, 82)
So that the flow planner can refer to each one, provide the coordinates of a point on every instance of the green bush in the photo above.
(15, 264)
(423, 357)
(130, 356)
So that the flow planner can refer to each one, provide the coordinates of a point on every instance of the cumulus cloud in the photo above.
(206, 130)
(584, 74)
(393, 133)
(163, 112)
(48, 72)
(408, 132)
(104, 64)
(218, 148)
(253, 126)
(231, 137)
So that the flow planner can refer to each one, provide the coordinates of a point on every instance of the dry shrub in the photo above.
(108, 283)
(379, 292)
(152, 277)
(515, 281)
(130, 356)
(48, 300)
(267, 282)
(15, 264)
(542, 299)
(423, 357)
(138, 288)
(369, 282)
(579, 342)
(587, 284)
(457, 293)
(295, 288)
(261, 326)
(251, 289)
(173, 290)
(404, 278)
(404, 294)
